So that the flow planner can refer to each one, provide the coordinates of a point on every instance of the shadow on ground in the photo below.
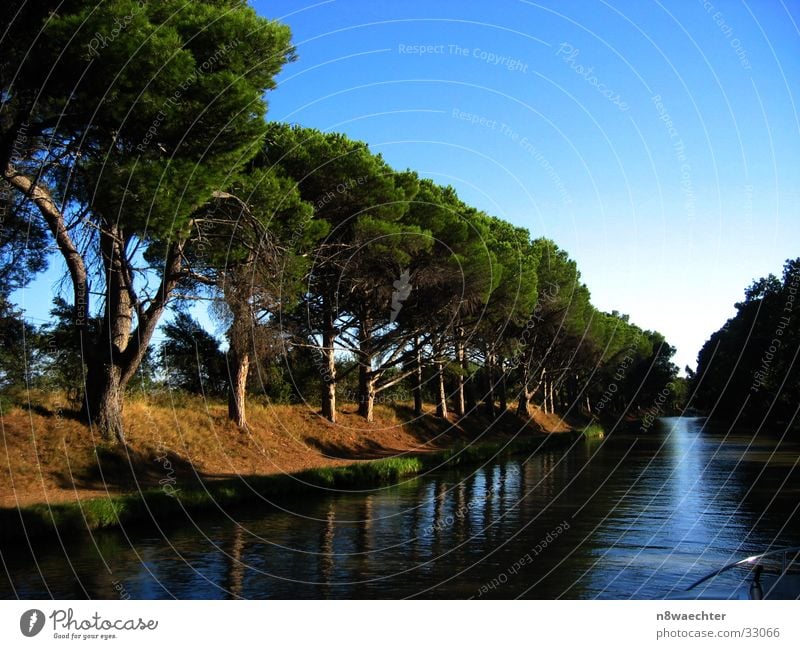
(124, 468)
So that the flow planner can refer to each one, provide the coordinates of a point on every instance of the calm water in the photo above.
(628, 516)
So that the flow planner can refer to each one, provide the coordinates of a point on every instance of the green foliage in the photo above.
(61, 361)
(654, 371)
(6, 403)
(747, 371)
(18, 342)
(594, 431)
(453, 275)
(158, 104)
(271, 382)
(191, 358)
(23, 242)
(680, 394)
(364, 474)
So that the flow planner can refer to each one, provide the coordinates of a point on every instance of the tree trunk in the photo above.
(522, 404)
(102, 406)
(469, 387)
(73, 259)
(237, 286)
(441, 401)
(527, 393)
(108, 369)
(238, 390)
(418, 379)
(502, 387)
(460, 358)
(548, 391)
(524, 393)
(574, 391)
(545, 393)
(366, 380)
(366, 391)
(328, 367)
(328, 383)
(366, 406)
(488, 402)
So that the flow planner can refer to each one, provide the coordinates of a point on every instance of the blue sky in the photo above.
(657, 142)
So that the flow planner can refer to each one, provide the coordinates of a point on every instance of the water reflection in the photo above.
(644, 514)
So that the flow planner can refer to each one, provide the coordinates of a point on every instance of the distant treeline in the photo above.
(748, 372)
(145, 162)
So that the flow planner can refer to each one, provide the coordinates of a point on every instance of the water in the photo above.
(630, 516)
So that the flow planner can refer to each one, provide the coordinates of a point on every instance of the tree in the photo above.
(620, 351)
(354, 191)
(18, 342)
(748, 370)
(23, 253)
(652, 373)
(512, 300)
(191, 358)
(62, 362)
(556, 318)
(23, 242)
(379, 277)
(249, 252)
(119, 124)
(453, 279)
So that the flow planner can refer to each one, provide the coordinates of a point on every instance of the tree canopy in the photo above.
(747, 371)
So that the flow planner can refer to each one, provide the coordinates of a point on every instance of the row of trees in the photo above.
(394, 279)
(748, 370)
(145, 161)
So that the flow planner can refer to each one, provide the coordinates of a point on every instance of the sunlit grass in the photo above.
(594, 431)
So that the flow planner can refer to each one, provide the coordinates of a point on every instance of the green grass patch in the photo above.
(594, 431)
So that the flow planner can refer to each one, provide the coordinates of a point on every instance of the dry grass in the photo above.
(549, 422)
(48, 456)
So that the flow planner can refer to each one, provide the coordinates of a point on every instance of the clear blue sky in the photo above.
(657, 142)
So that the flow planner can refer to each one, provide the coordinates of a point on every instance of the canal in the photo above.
(634, 515)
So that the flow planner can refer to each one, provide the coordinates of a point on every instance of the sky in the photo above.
(657, 142)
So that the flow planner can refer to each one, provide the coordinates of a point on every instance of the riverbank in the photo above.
(186, 458)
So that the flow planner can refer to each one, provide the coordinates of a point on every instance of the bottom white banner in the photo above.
(355, 624)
